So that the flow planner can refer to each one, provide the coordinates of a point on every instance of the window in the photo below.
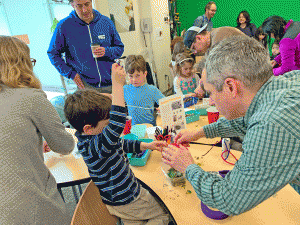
(4, 27)
(60, 9)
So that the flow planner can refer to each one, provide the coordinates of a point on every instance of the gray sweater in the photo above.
(28, 193)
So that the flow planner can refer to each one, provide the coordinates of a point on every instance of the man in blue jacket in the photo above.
(74, 35)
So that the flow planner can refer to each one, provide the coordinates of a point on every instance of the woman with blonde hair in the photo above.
(28, 191)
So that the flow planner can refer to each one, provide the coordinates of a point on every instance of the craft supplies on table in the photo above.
(189, 101)
(174, 177)
(151, 132)
(225, 147)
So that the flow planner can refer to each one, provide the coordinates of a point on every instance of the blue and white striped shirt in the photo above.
(107, 162)
(271, 150)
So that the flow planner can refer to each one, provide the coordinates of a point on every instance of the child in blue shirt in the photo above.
(99, 122)
(140, 96)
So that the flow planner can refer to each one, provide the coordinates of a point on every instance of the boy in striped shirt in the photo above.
(99, 122)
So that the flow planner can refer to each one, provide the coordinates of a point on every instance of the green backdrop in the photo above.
(227, 11)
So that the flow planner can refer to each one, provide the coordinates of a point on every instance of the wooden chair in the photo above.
(90, 209)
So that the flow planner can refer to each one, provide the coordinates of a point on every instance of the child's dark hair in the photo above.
(199, 66)
(276, 42)
(135, 63)
(275, 25)
(174, 42)
(86, 107)
(258, 32)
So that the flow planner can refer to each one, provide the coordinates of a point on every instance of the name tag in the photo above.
(101, 37)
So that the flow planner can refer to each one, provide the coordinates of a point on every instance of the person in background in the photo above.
(210, 11)
(186, 80)
(243, 24)
(199, 67)
(199, 40)
(73, 37)
(262, 109)
(28, 191)
(275, 49)
(288, 33)
(140, 96)
(261, 37)
(99, 122)
(174, 41)
(178, 48)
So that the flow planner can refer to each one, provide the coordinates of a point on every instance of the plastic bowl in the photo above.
(139, 130)
(202, 109)
(131, 137)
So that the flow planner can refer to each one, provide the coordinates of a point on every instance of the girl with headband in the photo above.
(186, 80)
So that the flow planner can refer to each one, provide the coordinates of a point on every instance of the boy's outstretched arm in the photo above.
(118, 81)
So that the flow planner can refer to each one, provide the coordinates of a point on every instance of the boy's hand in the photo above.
(158, 110)
(155, 145)
(118, 75)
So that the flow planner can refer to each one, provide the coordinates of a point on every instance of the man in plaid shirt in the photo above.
(261, 109)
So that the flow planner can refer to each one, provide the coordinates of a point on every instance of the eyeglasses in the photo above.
(33, 61)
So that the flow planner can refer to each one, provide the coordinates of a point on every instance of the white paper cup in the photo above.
(94, 47)
(151, 132)
(205, 101)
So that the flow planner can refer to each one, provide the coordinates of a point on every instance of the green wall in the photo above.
(227, 11)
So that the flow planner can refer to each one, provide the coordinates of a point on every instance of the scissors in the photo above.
(159, 137)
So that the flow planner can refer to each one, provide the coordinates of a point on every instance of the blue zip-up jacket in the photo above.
(108, 165)
(73, 37)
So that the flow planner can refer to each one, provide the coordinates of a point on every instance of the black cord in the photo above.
(208, 150)
(196, 143)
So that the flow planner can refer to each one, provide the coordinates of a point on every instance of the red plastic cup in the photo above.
(212, 114)
(127, 127)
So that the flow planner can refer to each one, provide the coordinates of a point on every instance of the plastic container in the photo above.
(139, 130)
(191, 116)
(131, 137)
(202, 109)
(140, 161)
(192, 101)
(174, 177)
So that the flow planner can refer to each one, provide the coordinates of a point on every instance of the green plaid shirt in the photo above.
(271, 150)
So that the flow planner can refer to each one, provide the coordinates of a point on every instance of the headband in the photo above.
(185, 60)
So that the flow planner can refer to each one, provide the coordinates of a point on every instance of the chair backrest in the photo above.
(90, 209)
